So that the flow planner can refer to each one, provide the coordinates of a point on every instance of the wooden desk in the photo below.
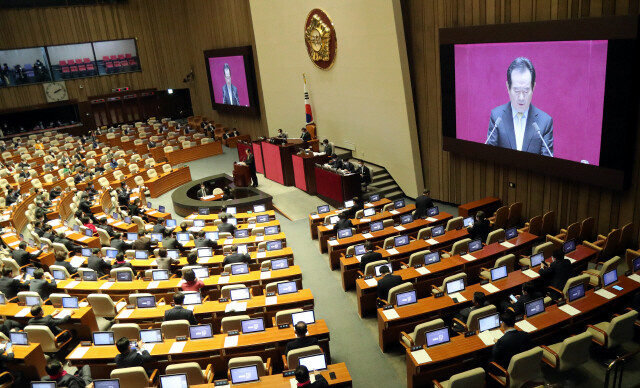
(90, 242)
(304, 170)
(489, 205)
(431, 308)
(83, 320)
(241, 217)
(193, 153)
(277, 161)
(336, 188)
(28, 359)
(269, 343)
(250, 241)
(464, 353)
(241, 175)
(316, 220)
(12, 241)
(167, 181)
(232, 142)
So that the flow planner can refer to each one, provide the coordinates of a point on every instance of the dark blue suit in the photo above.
(504, 136)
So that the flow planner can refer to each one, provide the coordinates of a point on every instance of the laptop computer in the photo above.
(437, 337)
(174, 381)
(433, 211)
(88, 232)
(161, 209)
(475, 245)
(239, 269)
(142, 255)
(536, 259)
(314, 362)
(191, 298)
(173, 253)
(144, 302)
(155, 237)
(3, 300)
(498, 273)
(467, 222)
(19, 338)
(400, 241)
(232, 210)
(132, 236)
(110, 383)
(348, 203)
(576, 292)
(244, 374)
(287, 288)
(269, 230)
(279, 264)
(58, 274)
(398, 204)
(204, 211)
(151, 336)
(406, 298)
(378, 267)
(259, 208)
(431, 258)
(374, 197)
(369, 212)
(359, 250)
(636, 264)
(200, 332)
(376, 226)
(323, 209)
(454, 286)
(510, 233)
(32, 300)
(609, 277)
(70, 302)
(205, 252)
(534, 307)
(86, 252)
(213, 236)
(170, 223)
(489, 322)
(43, 384)
(198, 223)
(307, 317)
(345, 233)
(241, 233)
(405, 219)
(262, 218)
(101, 338)
(437, 231)
(89, 275)
(183, 237)
(124, 276)
(569, 246)
(160, 274)
(201, 272)
(274, 245)
(239, 294)
(249, 326)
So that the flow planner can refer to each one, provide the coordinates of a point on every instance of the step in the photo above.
(384, 182)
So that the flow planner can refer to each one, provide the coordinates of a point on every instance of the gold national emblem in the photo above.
(320, 38)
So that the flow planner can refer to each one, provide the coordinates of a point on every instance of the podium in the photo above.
(278, 166)
(241, 175)
(304, 170)
(336, 188)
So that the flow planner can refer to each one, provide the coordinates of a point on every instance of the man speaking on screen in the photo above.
(229, 92)
(518, 124)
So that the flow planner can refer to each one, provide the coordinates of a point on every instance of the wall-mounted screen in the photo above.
(554, 97)
(72, 61)
(231, 79)
(23, 66)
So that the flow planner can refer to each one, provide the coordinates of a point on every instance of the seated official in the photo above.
(192, 258)
(344, 222)
(37, 228)
(529, 293)
(8, 285)
(40, 284)
(511, 343)
(49, 321)
(202, 192)
(159, 226)
(387, 282)
(301, 341)
(55, 193)
(191, 283)
(302, 377)
(556, 274)
(48, 232)
(236, 257)
(169, 242)
(179, 312)
(102, 224)
(62, 239)
(97, 263)
(21, 256)
(223, 212)
(358, 204)
(55, 372)
(335, 162)
(143, 243)
(479, 301)
(328, 149)
(281, 134)
(480, 228)
(304, 134)
(128, 357)
(225, 226)
(120, 262)
(370, 256)
(202, 242)
(86, 222)
(164, 261)
(7, 359)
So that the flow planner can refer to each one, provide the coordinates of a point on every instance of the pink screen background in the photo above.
(570, 79)
(238, 77)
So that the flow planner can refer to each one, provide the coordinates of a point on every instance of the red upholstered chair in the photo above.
(87, 60)
(113, 57)
(78, 61)
(74, 70)
(127, 56)
(120, 56)
(90, 68)
(62, 63)
(65, 72)
(109, 67)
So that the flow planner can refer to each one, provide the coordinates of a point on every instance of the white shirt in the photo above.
(519, 127)
(230, 94)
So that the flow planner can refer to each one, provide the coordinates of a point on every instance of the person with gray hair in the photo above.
(518, 124)
(229, 91)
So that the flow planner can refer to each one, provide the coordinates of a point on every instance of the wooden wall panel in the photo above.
(171, 36)
(458, 179)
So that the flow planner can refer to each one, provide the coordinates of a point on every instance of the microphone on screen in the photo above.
(537, 128)
(498, 121)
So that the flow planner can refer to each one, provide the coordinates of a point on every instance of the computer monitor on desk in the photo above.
(437, 337)
(109, 383)
(174, 381)
(151, 336)
(376, 226)
(101, 338)
(489, 322)
(569, 246)
(454, 286)
(431, 258)
(536, 259)
(511, 233)
(200, 332)
(437, 231)
(534, 307)
(467, 222)
(609, 277)
(244, 374)
(307, 317)
(249, 326)
(369, 212)
(378, 267)
(406, 298)
(314, 362)
(576, 292)
(374, 198)
(498, 273)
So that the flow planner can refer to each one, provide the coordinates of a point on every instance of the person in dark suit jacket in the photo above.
(302, 377)
(556, 274)
(522, 126)
(305, 135)
(343, 222)
(84, 205)
(129, 358)
(106, 227)
(21, 256)
(52, 323)
(370, 256)
(40, 285)
(168, 242)
(511, 343)
(119, 244)
(120, 262)
(143, 243)
(229, 91)
(387, 282)
(365, 174)
(202, 242)
(202, 192)
(225, 226)
(529, 293)
(48, 233)
(37, 228)
(480, 228)
(159, 226)
(423, 203)
(55, 369)
(61, 239)
(335, 162)
(97, 263)
(251, 162)
(479, 301)
(236, 257)
(164, 261)
(302, 341)
(328, 149)
(178, 312)
(8, 285)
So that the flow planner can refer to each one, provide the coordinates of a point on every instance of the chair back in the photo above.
(233, 323)
(470, 378)
(535, 226)
(525, 367)
(611, 244)
(151, 173)
(546, 248)
(294, 355)
(548, 223)
(128, 330)
(134, 377)
(461, 275)
(501, 217)
(474, 315)
(225, 292)
(388, 242)
(574, 281)
(417, 257)
(60, 268)
(114, 272)
(454, 223)
(284, 316)
(621, 329)
(387, 222)
(173, 329)
(574, 351)
(139, 222)
(105, 240)
(166, 168)
(610, 264)
(404, 287)
(191, 369)
(424, 233)
(133, 298)
(369, 269)
(495, 236)
(460, 246)
(573, 231)
(102, 305)
(248, 361)
(625, 237)
(508, 260)
(56, 298)
(515, 213)
(60, 247)
(419, 332)
(586, 229)
(40, 334)
(22, 296)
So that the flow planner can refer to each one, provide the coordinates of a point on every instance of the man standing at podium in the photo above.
(251, 162)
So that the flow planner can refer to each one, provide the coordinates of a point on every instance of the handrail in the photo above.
(617, 368)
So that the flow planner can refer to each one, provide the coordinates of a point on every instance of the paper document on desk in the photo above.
(526, 326)
(84, 238)
(228, 241)
(223, 280)
(359, 258)
(177, 347)
(126, 313)
(207, 197)
(569, 309)
(265, 275)
(330, 227)
(431, 219)
(605, 294)
(332, 242)
(231, 341)
(190, 307)
(421, 356)
(63, 313)
(431, 241)
(422, 270)
(365, 220)
(259, 238)
(468, 257)
(79, 352)
(72, 284)
(269, 300)
(394, 212)
(570, 259)
(106, 285)
(531, 273)
(261, 255)
(192, 216)
(203, 260)
(153, 284)
(635, 277)
(392, 251)
(507, 244)
(399, 228)
(490, 288)
(367, 235)
(148, 347)
(315, 216)
(195, 229)
(77, 261)
(458, 296)
(23, 312)
(371, 282)
(490, 336)
(390, 314)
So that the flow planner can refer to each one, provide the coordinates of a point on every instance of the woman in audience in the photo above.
(191, 283)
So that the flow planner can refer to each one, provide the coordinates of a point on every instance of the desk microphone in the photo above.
(498, 121)
(535, 126)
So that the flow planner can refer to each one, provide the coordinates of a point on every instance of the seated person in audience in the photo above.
(479, 301)
(480, 228)
(61, 258)
(226, 134)
(6, 360)
(143, 243)
(8, 285)
(119, 244)
(192, 258)
(151, 144)
(21, 256)
(529, 293)
(179, 312)
(328, 150)
(41, 211)
(302, 377)
(24, 174)
(49, 165)
(135, 211)
(202, 242)
(159, 226)
(202, 192)
(41, 198)
(90, 190)
(387, 282)
(301, 341)
(370, 256)
(191, 283)
(556, 274)
(80, 175)
(48, 320)
(37, 228)
(99, 169)
(164, 261)
(344, 222)
(55, 372)
(48, 232)
(169, 242)
(335, 162)
(62, 239)
(10, 325)
(129, 358)
(55, 193)
(225, 226)
(120, 262)
(235, 257)
(347, 166)
(123, 197)
(86, 222)
(358, 204)
(234, 133)
(97, 263)
(102, 224)
(304, 134)
(223, 213)
(184, 226)
(113, 163)
(511, 343)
